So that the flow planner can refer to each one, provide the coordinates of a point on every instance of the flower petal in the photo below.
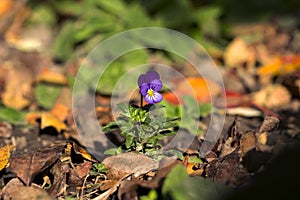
(142, 79)
(144, 89)
(156, 85)
(151, 75)
(155, 98)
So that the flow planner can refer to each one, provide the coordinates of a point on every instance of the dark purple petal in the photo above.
(156, 85)
(151, 75)
(144, 89)
(155, 98)
(142, 79)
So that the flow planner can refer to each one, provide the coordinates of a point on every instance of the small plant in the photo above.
(98, 169)
(143, 126)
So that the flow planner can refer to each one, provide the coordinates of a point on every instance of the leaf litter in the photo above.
(260, 136)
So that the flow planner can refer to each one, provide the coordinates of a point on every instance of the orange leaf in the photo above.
(270, 69)
(171, 98)
(280, 65)
(60, 111)
(49, 120)
(202, 88)
(31, 118)
(49, 76)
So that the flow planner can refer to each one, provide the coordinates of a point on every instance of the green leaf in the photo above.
(195, 160)
(46, 95)
(179, 186)
(124, 107)
(205, 109)
(174, 179)
(129, 141)
(114, 151)
(12, 116)
(64, 43)
(110, 126)
(208, 20)
(152, 195)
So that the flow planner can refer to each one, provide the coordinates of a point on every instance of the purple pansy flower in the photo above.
(150, 84)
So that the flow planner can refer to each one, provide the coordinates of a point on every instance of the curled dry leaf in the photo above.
(269, 124)
(18, 90)
(27, 166)
(272, 96)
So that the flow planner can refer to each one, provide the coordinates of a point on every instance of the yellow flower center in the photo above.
(150, 92)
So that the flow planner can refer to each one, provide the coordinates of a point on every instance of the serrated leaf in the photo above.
(46, 95)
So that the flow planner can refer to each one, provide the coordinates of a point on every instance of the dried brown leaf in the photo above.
(27, 166)
(17, 191)
(129, 163)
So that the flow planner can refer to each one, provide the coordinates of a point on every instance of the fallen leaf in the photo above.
(238, 53)
(49, 120)
(32, 117)
(77, 174)
(27, 166)
(48, 76)
(81, 151)
(15, 189)
(18, 90)
(59, 172)
(269, 124)
(5, 155)
(272, 96)
(202, 88)
(280, 65)
(128, 163)
(60, 111)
